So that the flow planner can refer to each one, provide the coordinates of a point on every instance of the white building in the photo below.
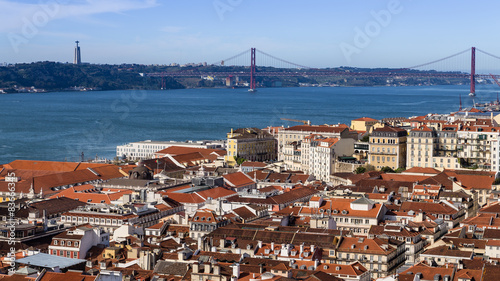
(319, 154)
(478, 146)
(75, 242)
(146, 149)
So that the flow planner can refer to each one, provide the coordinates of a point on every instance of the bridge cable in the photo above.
(282, 60)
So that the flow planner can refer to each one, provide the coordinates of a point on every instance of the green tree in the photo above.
(387, 169)
(365, 138)
(360, 170)
(239, 160)
(400, 170)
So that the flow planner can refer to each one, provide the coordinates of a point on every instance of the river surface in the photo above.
(61, 125)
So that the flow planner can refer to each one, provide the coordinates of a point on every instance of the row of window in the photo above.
(91, 220)
(68, 243)
(67, 254)
(383, 159)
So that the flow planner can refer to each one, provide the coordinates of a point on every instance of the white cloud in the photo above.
(14, 16)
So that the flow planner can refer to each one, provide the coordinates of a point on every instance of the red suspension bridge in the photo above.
(284, 68)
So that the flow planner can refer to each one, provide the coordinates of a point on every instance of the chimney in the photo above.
(272, 246)
(301, 249)
(316, 263)
(312, 249)
(259, 243)
(222, 243)
(196, 267)
(261, 268)
(216, 270)
(236, 270)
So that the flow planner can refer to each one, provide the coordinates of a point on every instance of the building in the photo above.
(205, 221)
(365, 124)
(478, 147)
(412, 237)
(319, 154)
(381, 256)
(388, 148)
(250, 144)
(428, 147)
(298, 133)
(147, 149)
(346, 214)
(75, 242)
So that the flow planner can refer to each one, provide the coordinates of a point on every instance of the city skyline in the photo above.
(327, 34)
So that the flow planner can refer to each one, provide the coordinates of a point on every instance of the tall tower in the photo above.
(78, 58)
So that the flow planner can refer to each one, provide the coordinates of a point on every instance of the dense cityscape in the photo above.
(390, 199)
(249, 141)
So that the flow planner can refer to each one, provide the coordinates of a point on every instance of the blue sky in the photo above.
(312, 33)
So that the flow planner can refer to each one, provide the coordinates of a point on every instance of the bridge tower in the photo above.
(473, 71)
(252, 69)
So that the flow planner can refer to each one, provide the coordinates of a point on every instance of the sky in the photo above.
(322, 33)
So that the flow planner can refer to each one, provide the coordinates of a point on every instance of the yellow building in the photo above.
(365, 124)
(251, 144)
(388, 148)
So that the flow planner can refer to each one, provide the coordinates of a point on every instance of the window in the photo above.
(76, 244)
(69, 243)
(55, 242)
(62, 243)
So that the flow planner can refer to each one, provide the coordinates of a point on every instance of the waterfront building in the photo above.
(388, 148)
(365, 124)
(251, 144)
(431, 148)
(147, 149)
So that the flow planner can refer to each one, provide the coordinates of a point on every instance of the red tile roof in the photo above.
(238, 179)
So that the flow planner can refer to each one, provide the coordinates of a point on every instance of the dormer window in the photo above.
(55, 242)
(266, 251)
(69, 243)
(76, 244)
(62, 243)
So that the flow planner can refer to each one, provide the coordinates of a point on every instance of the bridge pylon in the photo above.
(252, 69)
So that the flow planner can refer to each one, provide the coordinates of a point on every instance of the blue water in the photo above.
(59, 126)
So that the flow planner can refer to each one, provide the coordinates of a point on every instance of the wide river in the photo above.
(61, 125)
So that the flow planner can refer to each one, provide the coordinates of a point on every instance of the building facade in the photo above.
(388, 148)
(251, 144)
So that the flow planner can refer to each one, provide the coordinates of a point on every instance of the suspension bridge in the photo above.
(273, 66)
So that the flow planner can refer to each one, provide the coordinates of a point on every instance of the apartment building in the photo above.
(388, 147)
(252, 144)
(475, 146)
(298, 133)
